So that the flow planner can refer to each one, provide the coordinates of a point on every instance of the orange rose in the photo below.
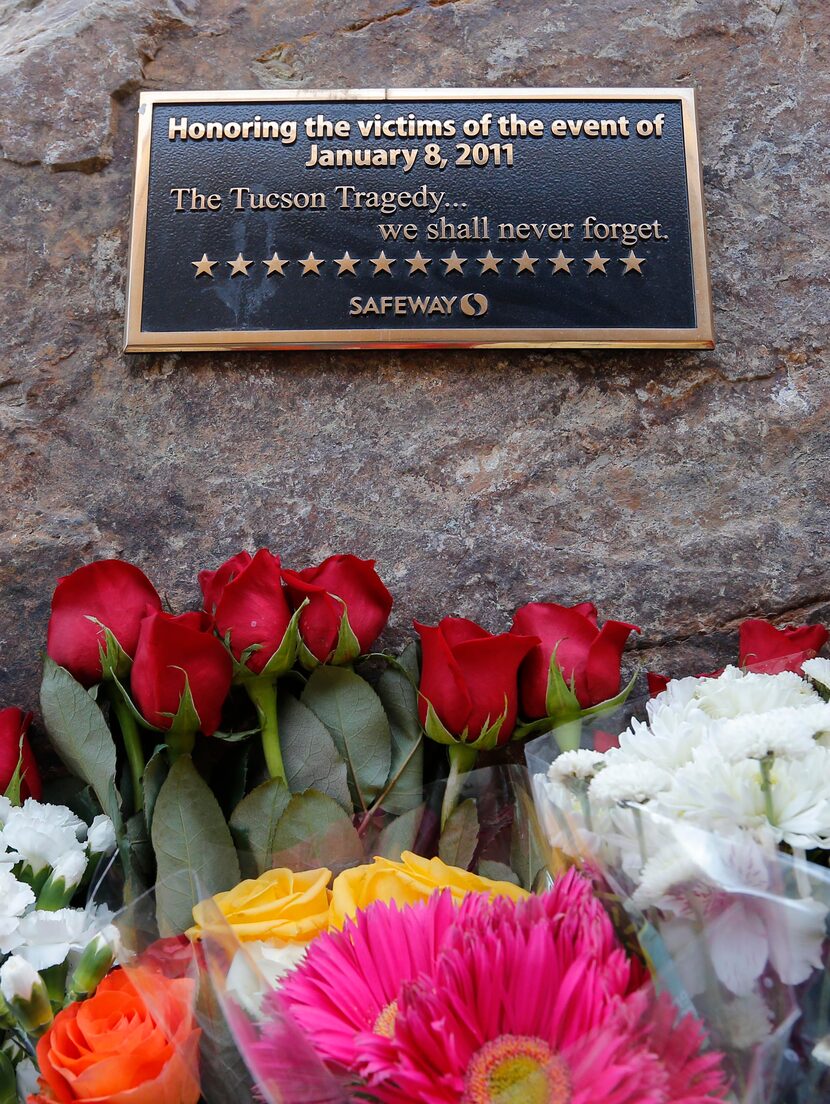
(134, 1042)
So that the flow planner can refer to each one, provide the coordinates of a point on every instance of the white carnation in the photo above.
(259, 968)
(101, 836)
(47, 939)
(39, 835)
(15, 898)
(629, 782)
(18, 979)
(70, 869)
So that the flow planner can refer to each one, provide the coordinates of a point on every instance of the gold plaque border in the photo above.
(700, 337)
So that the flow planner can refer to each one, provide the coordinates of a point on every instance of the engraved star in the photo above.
(346, 264)
(204, 267)
(382, 263)
(561, 263)
(240, 266)
(632, 263)
(490, 263)
(311, 264)
(525, 263)
(418, 263)
(454, 263)
(596, 263)
(275, 265)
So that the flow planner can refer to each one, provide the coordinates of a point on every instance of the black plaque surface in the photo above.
(569, 217)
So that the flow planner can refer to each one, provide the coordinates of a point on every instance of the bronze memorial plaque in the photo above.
(568, 217)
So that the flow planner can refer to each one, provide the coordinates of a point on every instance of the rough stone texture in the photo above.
(681, 490)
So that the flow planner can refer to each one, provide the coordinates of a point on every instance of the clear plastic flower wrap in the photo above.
(696, 823)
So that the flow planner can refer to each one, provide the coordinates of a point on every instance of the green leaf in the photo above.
(141, 851)
(460, 836)
(527, 848)
(309, 754)
(154, 775)
(254, 824)
(80, 735)
(352, 712)
(12, 793)
(497, 872)
(400, 700)
(8, 1081)
(185, 721)
(194, 851)
(283, 659)
(315, 832)
(400, 834)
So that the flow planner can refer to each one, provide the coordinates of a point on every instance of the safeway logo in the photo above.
(474, 305)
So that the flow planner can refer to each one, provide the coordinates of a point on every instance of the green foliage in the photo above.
(80, 735)
(194, 851)
(310, 757)
(460, 836)
(352, 712)
(314, 831)
(254, 824)
(399, 697)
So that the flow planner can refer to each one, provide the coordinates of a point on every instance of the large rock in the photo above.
(680, 490)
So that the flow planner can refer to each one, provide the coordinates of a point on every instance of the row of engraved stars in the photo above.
(346, 264)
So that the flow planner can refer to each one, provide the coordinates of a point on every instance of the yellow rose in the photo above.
(405, 882)
(279, 907)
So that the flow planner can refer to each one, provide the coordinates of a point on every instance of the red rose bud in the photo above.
(105, 595)
(587, 655)
(175, 652)
(14, 742)
(249, 607)
(470, 678)
(769, 650)
(340, 586)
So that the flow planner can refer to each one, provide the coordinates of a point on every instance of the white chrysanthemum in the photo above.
(47, 939)
(15, 898)
(818, 670)
(668, 742)
(784, 732)
(677, 694)
(39, 834)
(670, 868)
(721, 796)
(737, 692)
(571, 824)
(580, 765)
(5, 808)
(635, 782)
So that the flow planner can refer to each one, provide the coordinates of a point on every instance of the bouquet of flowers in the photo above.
(283, 865)
(708, 823)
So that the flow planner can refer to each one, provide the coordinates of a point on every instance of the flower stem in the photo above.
(766, 786)
(263, 693)
(132, 743)
(462, 759)
(180, 743)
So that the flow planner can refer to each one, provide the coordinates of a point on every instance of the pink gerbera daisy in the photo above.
(349, 981)
(521, 1009)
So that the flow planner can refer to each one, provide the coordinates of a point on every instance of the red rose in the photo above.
(340, 584)
(107, 594)
(469, 677)
(14, 725)
(769, 650)
(248, 603)
(171, 652)
(586, 654)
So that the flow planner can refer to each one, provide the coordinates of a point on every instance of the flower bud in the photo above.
(94, 964)
(24, 990)
(59, 888)
(101, 836)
